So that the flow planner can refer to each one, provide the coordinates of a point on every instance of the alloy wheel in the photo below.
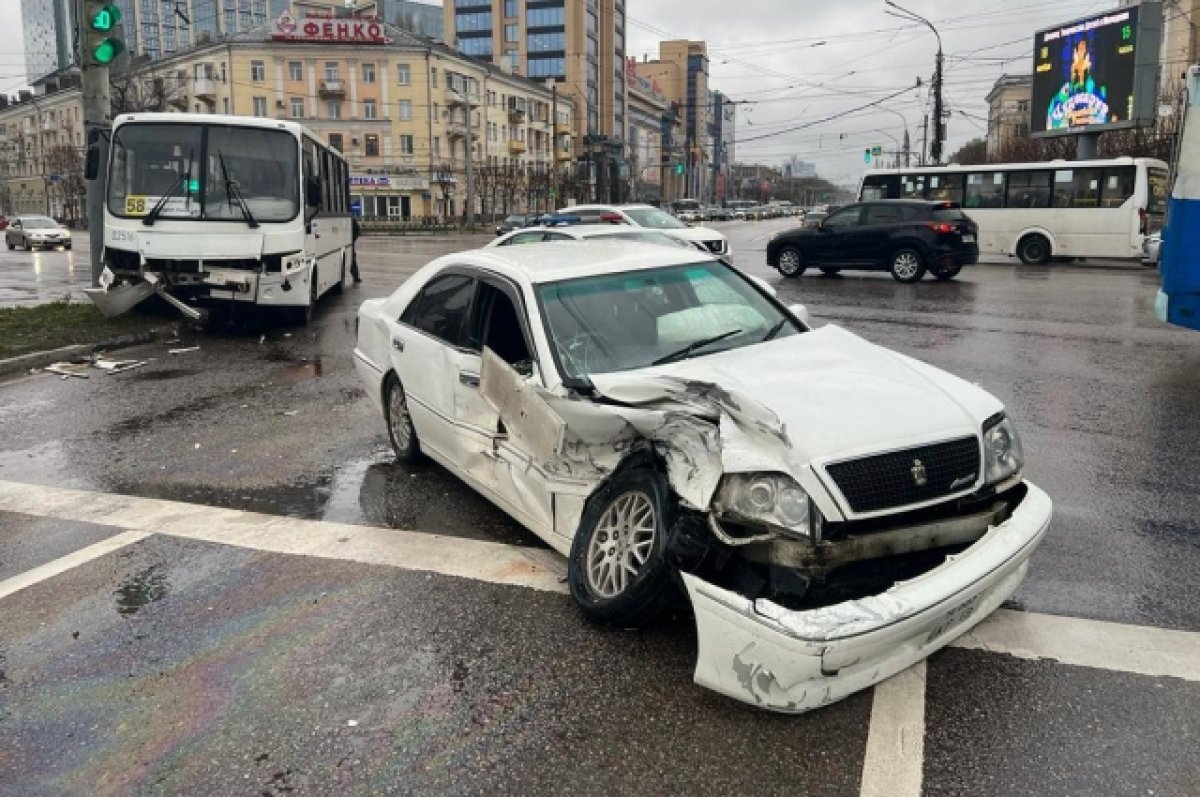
(621, 544)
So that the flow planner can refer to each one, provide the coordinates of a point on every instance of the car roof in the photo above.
(551, 262)
(583, 230)
(604, 207)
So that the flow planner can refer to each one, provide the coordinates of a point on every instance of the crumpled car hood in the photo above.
(832, 394)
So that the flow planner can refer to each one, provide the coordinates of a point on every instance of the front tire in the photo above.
(617, 570)
(791, 262)
(1034, 250)
(401, 432)
(907, 265)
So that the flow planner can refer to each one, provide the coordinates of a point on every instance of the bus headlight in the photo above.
(1003, 455)
(772, 499)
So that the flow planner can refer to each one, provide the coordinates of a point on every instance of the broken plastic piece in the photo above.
(184, 350)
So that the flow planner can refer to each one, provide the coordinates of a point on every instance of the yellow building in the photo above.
(41, 150)
(395, 105)
(682, 71)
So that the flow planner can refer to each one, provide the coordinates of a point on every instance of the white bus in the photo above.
(205, 208)
(1036, 211)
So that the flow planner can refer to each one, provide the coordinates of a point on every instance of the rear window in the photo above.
(948, 214)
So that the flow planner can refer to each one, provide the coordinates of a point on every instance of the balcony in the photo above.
(562, 129)
(516, 116)
(563, 155)
(205, 88)
(517, 147)
(332, 88)
(456, 96)
(49, 125)
(456, 130)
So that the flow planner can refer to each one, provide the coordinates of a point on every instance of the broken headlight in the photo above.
(1002, 453)
(773, 499)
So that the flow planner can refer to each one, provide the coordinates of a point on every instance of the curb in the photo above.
(40, 359)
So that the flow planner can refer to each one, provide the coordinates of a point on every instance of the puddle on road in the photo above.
(140, 590)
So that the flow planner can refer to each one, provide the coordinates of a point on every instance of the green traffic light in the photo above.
(107, 50)
(679, 168)
(106, 19)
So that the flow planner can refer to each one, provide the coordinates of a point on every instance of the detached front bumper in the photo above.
(795, 661)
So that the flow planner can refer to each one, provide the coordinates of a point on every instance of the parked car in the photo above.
(834, 511)
(716, 213)
(515, 222)
(587, 232)
(904, 237)
(652, 218)
(31, 232)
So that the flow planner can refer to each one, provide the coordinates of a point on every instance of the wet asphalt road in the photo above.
(178, 667)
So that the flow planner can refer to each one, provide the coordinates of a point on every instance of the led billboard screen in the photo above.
(1098, 73)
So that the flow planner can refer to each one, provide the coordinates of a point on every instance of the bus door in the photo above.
(328, 235)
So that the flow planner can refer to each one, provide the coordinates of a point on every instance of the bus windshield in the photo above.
(191, 171)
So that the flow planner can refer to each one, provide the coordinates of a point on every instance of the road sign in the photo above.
(356, 207)
(876, 151)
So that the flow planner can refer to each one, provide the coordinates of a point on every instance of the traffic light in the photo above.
(678, 168)
(101, 42)
(867, 155)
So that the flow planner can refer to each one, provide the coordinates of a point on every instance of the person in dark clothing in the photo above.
(355, 231)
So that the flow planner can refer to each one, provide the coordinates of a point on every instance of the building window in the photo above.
(403, 74)
(475, 47)
(512, 33)
(335, 141)
(545, 17)
(406, 145)
(433, 78)
(258, 71)
(404, 108)
(547, 67)
(437, 148)
(225, 105)
(476, 22)
(372, 145)
(368, 73)
(297, 108)
(260, 106)
(331, 70)
(335, 109)
(369, 111)
(295, 70)
(510, 8)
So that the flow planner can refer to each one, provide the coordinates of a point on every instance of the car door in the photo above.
(499, 322)
(425, 347)
(871, 241)
(833, 241)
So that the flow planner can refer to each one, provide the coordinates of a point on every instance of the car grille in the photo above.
(716, 247)
(887, 481)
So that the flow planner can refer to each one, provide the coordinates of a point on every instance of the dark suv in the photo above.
(904, 237)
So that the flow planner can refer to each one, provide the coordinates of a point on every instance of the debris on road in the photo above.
(68, 370)
(78, 369)
(183, 350)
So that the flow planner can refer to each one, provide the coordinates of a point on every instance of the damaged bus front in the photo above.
(202, 209)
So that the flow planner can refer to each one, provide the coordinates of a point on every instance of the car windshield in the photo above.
(622, 322)
(204, 172)
(38, 223)
(654, 218)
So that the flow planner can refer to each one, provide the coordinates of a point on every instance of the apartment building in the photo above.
(682, 70)
(41, 150)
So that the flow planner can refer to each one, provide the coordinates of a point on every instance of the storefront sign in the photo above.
(388, 181)
(329, 31)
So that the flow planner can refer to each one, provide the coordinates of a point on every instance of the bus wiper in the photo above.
(184, 179)
(232, 192)
(694, 347)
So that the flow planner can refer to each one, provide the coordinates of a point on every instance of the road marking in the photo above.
(70, 561)
(496, 563)
(894, 761)
(1141, 650)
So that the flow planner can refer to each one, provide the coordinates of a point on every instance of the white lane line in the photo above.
(894, 762)
(1142, 650)
(452, 556)
(70, 561)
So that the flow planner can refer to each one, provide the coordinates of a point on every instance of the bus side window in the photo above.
(1118, 186)
(912, 186)
(946, 188)
(985, 190)
(1029, 189)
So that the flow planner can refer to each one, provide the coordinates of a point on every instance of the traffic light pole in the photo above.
(97, 121)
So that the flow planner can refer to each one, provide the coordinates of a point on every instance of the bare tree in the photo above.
(64, 169)
(443, 178)
(135, 90)
(972, 153)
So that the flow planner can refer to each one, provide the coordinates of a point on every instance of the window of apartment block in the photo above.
(258, 71)
(334, 107)
(403, 74)
(371, 142)
(225, 105)
(335, 141)
(433, 78)
(437, 148)
(331, 70)
(369, 110)
(406, 144)
(404, 110)
(368, 73)
(295, 70)
(260, 106)
(297, 108)
(510, 8)
(512, 33)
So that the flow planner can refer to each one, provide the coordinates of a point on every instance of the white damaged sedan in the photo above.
(834, 511)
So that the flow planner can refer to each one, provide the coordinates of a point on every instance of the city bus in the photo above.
(207, 210)
(1039, 211)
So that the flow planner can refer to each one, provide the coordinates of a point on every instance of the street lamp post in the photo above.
(939, 129)
(907, 139)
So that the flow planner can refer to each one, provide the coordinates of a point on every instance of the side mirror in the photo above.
(91, 165)
(801, 312)
(312, 191)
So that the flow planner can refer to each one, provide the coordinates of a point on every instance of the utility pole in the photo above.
(939, 125)
(924, 139)
(97, 22)
(470, 141)
(907, 150)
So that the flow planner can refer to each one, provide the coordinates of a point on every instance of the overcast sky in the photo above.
(797, 62)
